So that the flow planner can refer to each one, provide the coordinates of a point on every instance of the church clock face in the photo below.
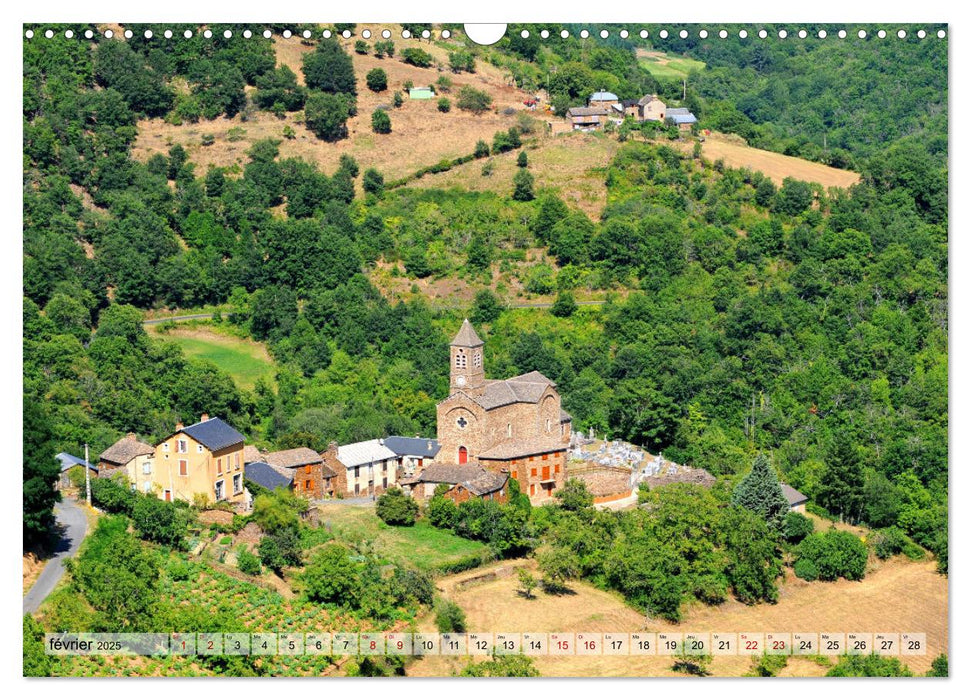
(460, 380)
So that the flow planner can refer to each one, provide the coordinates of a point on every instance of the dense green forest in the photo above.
(741, 316)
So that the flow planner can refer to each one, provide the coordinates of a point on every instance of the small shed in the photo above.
(797, 501)
(421, 93)
(68, 462)
(682, 118)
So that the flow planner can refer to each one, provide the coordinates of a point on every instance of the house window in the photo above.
(508, 429)
(183, 468)
(515, 474)
(237, 460)
(220, 493)
(238, 483)
(357, 472)
(421, 462)
(477, 359)
(165, 447)
(533, 471)
(306, 485)
(461, 422)
(183, 447)
(219, 465)
(199, 449)
(147, 468)
(546, 456)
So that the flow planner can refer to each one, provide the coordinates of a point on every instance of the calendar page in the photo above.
(549, 349)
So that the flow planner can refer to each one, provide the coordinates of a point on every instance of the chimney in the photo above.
(178, 425)
(131, 436)
(332, 448)
(204, 417)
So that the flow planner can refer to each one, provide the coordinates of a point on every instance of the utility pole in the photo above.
(87, 475)
(684, 89)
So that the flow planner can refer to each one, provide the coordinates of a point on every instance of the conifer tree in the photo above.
(760, 493)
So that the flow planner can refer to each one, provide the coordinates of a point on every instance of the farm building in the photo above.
(797, 501)
(682, 118)
(365, 468)
(587, 118)
(602, 99)
(647, 108)
(131, 457)
(413, 453)
(309, 475)
(464, 481)
(421, 93)
(68, 462)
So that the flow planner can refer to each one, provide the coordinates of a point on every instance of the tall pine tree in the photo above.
(41, 471)
(841, 492)
(760, 493)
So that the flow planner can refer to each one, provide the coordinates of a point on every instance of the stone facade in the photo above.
(503, 424)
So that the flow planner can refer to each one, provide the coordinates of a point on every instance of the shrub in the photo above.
(417, 57)
(112, 496)
(444, 105)
(893, 540)
(472, 100)
(481, 149)
(442, 512)
(326, 115)
(796, 527)
(870, 666)
(280, 549)
(361, 47)
(332, 577)
(806, 569)
(522, 160)
(449, 617)
(397, 100)
(395, 507)
(564, 306)
(381, 122)
(377, 80)
(523, 186)
(248, 562)
(208, 139)
(836, 554)
(373, 182)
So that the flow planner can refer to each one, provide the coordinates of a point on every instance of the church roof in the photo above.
(526, 388)
(511, 449)
(467, 337)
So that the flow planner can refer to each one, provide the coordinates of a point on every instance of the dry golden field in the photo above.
(896, 596)
(421, 135)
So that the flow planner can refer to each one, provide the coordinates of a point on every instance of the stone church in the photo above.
(516, 425)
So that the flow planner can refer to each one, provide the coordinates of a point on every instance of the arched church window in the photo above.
(508, 429)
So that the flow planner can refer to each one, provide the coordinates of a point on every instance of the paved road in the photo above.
(534, 305)
(75, 527)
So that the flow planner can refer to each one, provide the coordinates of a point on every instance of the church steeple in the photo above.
(466, 362)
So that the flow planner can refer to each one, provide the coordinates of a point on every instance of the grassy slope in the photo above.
(667, 66)
(421, 545)
(243, 359)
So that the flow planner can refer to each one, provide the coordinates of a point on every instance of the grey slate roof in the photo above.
(683, 118)
(467, 337)
(67, 461)
(412, 446)
(126, 449)
(794, 497)
(477, 480)
(266, 476)
(511, 449)
(215, 434)
(526, 388)
(674, 111)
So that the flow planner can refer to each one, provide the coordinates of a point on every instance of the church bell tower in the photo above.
(466, 369)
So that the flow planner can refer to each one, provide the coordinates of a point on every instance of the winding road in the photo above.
(75, 526)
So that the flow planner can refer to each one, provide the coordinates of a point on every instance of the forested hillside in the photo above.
(740, 316)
